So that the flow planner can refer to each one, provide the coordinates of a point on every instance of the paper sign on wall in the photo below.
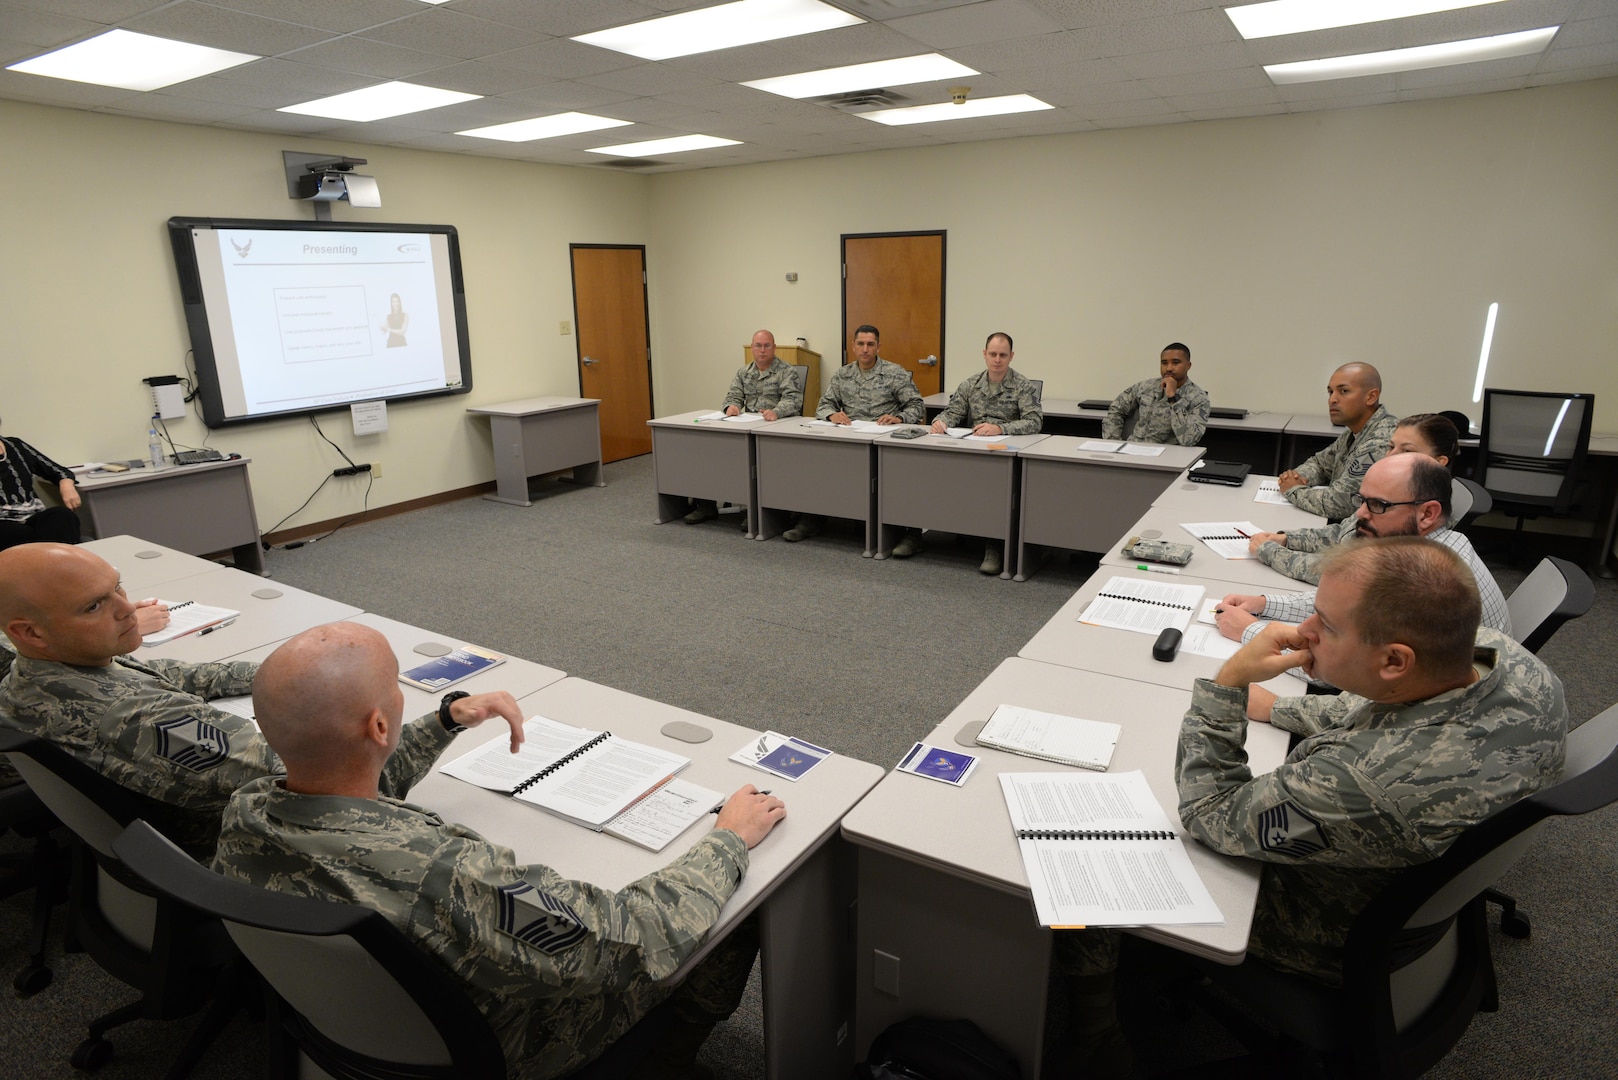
(370, 417)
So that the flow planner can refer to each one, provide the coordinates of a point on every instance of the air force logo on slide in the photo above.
(538, 918)
(195, 744)
(1286, 830)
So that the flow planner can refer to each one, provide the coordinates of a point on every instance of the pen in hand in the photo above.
(721, 806)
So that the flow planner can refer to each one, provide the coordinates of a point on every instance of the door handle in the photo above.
(590, 361)
(930, 361)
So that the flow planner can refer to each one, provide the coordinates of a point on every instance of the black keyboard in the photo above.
(197, 457)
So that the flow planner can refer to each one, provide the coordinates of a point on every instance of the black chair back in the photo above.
(1532, 447)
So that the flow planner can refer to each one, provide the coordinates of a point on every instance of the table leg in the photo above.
(510, 470)
(589, 474)
(806, 931)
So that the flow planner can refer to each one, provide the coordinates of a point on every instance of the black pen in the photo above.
(721, 806)
(216, 626)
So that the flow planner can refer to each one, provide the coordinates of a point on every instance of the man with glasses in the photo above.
(764, 387)
(1326, 482)
(1402, 495)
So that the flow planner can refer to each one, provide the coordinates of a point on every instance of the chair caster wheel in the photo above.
(1514, 925)
(31, 980)
(91, 1055)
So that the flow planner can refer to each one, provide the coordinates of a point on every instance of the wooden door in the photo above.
(895, 282)
(615, 358)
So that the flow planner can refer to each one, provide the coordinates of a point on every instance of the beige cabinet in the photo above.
(800, 357)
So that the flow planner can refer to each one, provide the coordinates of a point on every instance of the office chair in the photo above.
(1462, 422)
(178, 960)
(40, 869)
(1556, 592)
(1469, 500)
(1417, 966)
(800, 376)
(1039, 391)
(1531, 450)
(319, 958)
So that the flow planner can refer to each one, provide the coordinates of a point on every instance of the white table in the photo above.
(800, 879)
(539, 435)
(707, 459)
(274, 614)
(142, 566)
(199, 509)
(1084, 499)
(939, 864)
(807, 468)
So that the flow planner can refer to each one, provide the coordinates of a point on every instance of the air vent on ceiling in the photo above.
(862, 100)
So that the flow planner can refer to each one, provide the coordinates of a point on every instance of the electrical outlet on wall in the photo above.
(376, 470)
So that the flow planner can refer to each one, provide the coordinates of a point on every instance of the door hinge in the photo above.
(845, 271)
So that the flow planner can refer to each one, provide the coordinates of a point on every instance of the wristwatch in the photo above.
(443, 711)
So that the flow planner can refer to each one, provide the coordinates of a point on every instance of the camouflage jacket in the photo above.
(887, 389)
(1300, 557)
(1369, 789)
(561, 968)
(753, 390)
(1332, 477)
(147, 726)
(1012, 403)
(1159, 419)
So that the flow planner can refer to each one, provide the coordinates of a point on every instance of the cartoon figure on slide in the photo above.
(396, 323)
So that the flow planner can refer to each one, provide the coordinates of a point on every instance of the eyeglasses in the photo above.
(1380, 506)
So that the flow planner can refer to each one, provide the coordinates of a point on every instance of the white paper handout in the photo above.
(1269, 491)
(1144, 606)
(1228, 539)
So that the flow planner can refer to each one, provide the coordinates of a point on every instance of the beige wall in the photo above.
(91, 305)
(1277, 247)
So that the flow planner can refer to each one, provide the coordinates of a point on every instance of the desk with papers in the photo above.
(199, 509)
(703, 459)
(807, 467)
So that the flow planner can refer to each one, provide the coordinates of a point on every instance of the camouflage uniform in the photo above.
(887, 389)
(754, 391)
(1298, 606)
(1159, 419)
(1332, 477)
(1300, 557)
(147, 726)
(560, 968)
(1012, 403)
(1369, 790)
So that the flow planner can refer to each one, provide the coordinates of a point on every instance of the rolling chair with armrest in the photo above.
(321, 957)
(1531, 450)
(1416, 967)
(176, 958)
(1469, 500)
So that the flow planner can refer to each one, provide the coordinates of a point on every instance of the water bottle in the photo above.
(154, 448)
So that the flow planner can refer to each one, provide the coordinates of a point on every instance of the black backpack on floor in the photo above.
(922, 1048)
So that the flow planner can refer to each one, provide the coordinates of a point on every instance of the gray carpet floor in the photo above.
(858, 655)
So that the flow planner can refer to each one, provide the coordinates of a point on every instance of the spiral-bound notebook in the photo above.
(189, 617)
(1099, 851)
(1066, 740)
(588, 777)
(1142, 605)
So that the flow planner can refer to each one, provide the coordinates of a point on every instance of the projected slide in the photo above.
(320, 319)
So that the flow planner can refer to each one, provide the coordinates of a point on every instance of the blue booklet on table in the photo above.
(447, 670)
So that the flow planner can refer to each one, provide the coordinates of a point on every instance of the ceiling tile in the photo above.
(1112, 110)
(221, 28)
(367, 57)
(1197, 58)
(845, 45)
(1080, 13)
(1352, 101)
(1550, 78)
(1237, 111)
(995, 20)
(1579, 56)
(234, 92)
(1364, 86)
(289, 123)
(1456, 74)
(1600, 31)
(1204, 82)
(1066, 47)
(156, 106)
(560, 19)
(477, 77)
(440, 30)
(1481, 86)
(42, 28)
(302, 82)
(648, 79)
(564, 95)
(563, 59)
(341, 16)
(1224, 99)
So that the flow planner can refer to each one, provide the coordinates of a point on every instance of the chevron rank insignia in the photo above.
(1286, 830)
(536, 917)
(192, 743)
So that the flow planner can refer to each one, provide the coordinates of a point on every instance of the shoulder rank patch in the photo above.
(534, 916)
(195, 744)
(1286, 830)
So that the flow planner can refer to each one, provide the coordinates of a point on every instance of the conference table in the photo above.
(946, 924)
(198, 509)
(956, 485)
(143, 566)
(269, 614)
(703, 459)
(1084, 499)
(537, 435)
(807, 467)
(800, 880)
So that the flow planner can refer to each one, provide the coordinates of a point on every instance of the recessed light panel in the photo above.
(1301, 16)
(545, 127)
(1447, 54)
(723, 27)
(678, 145)
(929, 67)
(380, 102)
(132, 61)
(947, 110)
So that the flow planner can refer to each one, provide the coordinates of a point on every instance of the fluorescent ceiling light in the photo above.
(677, 145)
(380, 101)
(132, 61)
(545, 127)
(948, 110)
(1446, 54)
(721, 27)
(929, 67)
(1301, 16)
